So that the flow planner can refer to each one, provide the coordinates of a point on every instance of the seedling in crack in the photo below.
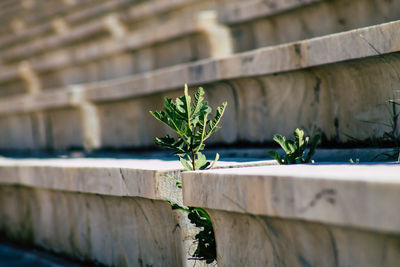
(191, 124)
(295, 148)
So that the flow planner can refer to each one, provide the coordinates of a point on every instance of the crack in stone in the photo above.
(329, 195)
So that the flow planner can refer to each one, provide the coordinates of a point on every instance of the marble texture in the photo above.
(358, 196)
(301, 215)
(252, 240)
(116, 177)
(259, 23)
(55, 64)
(112, 211)
(104, 210)
(269, 90)
(110, 230)
(235, 12)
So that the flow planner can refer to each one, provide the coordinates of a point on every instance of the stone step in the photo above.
(260, 23)
(187, 37)
(21, 17)
(93, 28)
(340, 83)
(85, 11)
(301, 215)
(235, 12)
(110, 211)
(61, 9)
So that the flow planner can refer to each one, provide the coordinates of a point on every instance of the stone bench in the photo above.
(304, 215)
(336, 80)
(260, 23)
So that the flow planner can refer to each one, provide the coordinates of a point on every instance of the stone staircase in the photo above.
(82, 75)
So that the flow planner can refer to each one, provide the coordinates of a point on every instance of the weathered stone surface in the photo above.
(359, 196)
(261, 94)
(39, 26)
(17, 132)
(249, 240)
(110, 230)
(234, 12)
(110, 211)
(257, 24)
(117, 177)
(107, 59)
(133, 15)
(304, 215)
(99, 209)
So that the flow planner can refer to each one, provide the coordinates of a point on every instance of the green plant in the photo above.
(352, 161)
(393, 134)
(390, 136)
(191, 124)
(295, 148)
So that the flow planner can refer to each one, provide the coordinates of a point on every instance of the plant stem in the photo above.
(193, 154)
(194, 160)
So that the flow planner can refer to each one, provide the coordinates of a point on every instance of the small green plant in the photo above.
(295, 148)
(191, 124)
(391, 136)
(354, 162)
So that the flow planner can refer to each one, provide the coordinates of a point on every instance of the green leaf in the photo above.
(198, 102)
(215, 161)
(201, 162)
(213, 124)
(291, 146)
(295, 148)
(275, 156)
(281, 140)
(313, 145)
(299, 136)
(186, 164)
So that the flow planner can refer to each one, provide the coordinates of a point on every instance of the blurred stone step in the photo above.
(235, 12)
(301, 215)
(86, 11)
(339, 84)
(136, 12)
(188, 35)
(260, 23)
(21, 17)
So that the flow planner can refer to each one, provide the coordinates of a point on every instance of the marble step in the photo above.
(339, 84)
(20, 18)
(260, 23)
(298, 215)
(92, 28)
(191, 36)
(109, 211)
(235, 12)
(87, 12)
